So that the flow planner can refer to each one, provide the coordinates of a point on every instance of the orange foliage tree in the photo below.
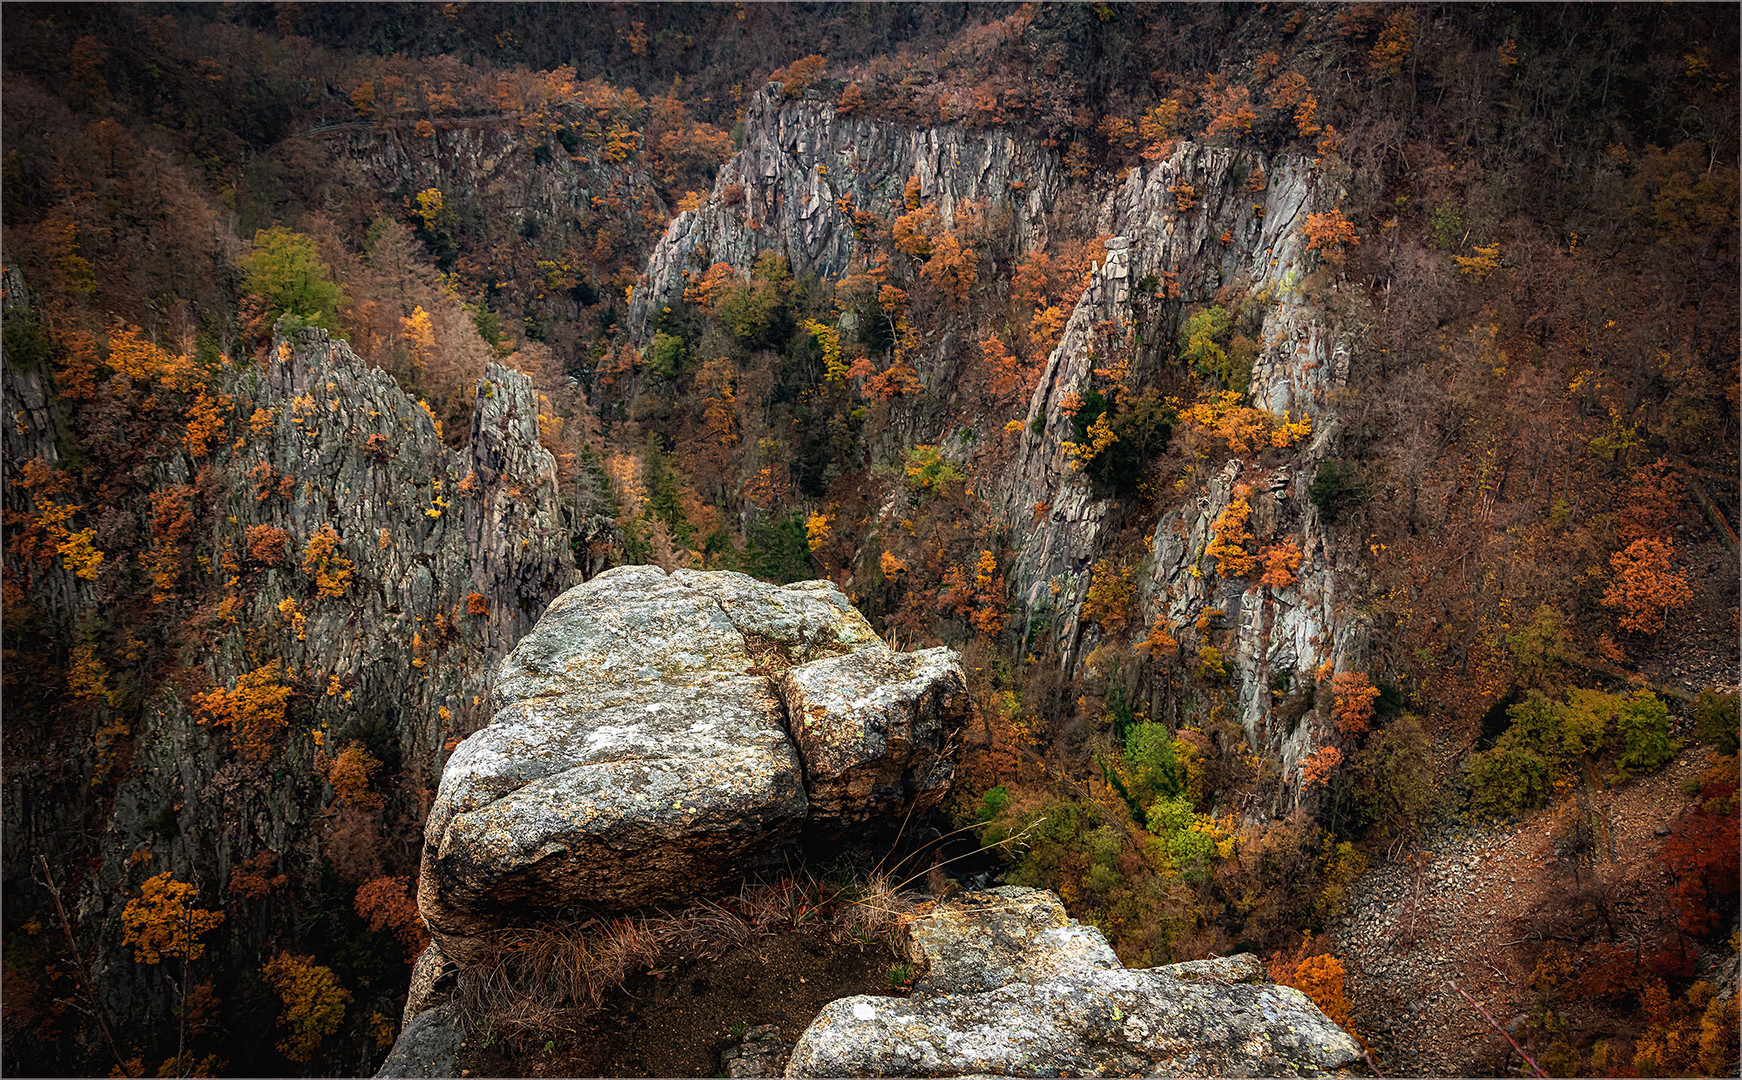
(390, 903)
(253, 711)
(1645, 588)
(266, 544)
(350, 774)
(1227, 547)
(1280, 563)
(1353, 695)
(162, 921)
(1328, 233)
(1319, 978)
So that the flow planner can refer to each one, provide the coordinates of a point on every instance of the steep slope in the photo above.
(806, 169)
(1232, 245)
(1203, 226)
(438, 563)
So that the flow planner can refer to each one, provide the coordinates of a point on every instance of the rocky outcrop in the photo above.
(1017, 989)
(1163, 261)
(805, 170)
(641, 753)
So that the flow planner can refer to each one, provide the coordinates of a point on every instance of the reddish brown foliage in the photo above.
(267, 545)
(390, 903)
(252, 878)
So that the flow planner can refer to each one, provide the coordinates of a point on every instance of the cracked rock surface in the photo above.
(640, 751)
(1015, 987)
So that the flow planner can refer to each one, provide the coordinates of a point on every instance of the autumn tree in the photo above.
(1645, 588)
(162, 921)
(324, 561)
(314, 1003)
(1329, 233)
(390, 903)
(1353, 695)
(1319, 978)
(350, 774)
(1280, 563)
(1652, 500)
(1228, 546)
(267, 544)
(253, 711)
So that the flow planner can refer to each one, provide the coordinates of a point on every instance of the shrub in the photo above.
(1337, 490)
(1716, 720)
(929, 472)
(1646, 745)
(1152, 762)
(267, 545)
(666, 355)
(1547, 738)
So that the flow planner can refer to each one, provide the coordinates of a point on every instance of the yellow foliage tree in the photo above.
(324, 562)
(253, 711)
(314, 1002)
(162, 921)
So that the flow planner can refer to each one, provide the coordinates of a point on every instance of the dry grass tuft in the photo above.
(551, 977)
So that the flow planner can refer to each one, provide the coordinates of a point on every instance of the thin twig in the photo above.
(1368, 1054)
(1012, 838)
(90, 986)
(1527, 1058)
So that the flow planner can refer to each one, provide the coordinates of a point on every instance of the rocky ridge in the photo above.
(1165, 257)
(805, 169)
(402, 659)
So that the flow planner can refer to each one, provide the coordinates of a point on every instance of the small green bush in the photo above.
(1337, 490)
(666, 355)
(1717, 718)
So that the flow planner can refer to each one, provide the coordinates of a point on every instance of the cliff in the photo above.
(1202, 226)
(805, 170)
(442, 561)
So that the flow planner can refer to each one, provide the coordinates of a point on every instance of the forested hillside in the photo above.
(1315, 426)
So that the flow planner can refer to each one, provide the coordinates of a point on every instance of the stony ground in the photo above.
(1458, 908)
(676, 1019)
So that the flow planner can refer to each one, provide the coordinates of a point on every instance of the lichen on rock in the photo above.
(1016, 988)
(640, 751)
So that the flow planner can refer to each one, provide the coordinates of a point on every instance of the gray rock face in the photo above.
(429, 1046)
(984, 940)
(871, 726)
(318, 438)
(1057, 1004)
(805, 170)
(762, 1053)
(640, 752)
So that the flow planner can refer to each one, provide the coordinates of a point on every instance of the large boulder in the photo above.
(1015, 988)
(640, 751)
